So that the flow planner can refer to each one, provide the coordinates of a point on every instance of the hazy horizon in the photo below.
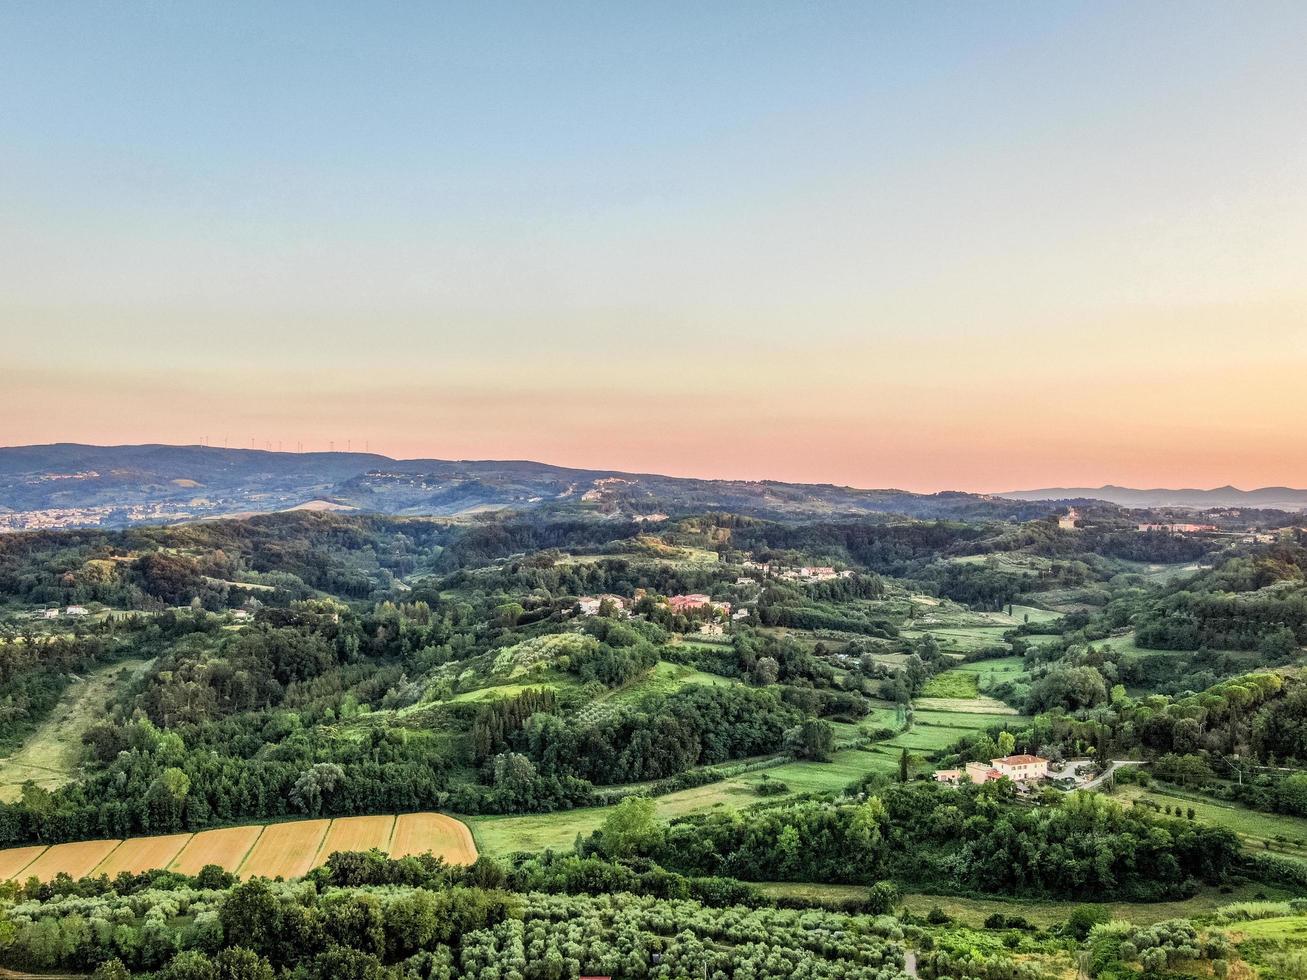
(928, 247)
(338, 450)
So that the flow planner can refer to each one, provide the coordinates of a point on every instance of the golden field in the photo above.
(289, 848)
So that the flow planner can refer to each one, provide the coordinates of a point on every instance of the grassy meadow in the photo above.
(50, 755)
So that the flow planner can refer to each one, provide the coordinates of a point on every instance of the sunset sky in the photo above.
(925, 245)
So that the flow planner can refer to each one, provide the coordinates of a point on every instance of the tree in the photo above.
(905, 765)
(113, 969)
(882, 898)
(190, 965)
(766, 671)
(314, 784)
(1083, 918)
(632, 828)
(1291, 794)
(812, 739)
(238, 963)
(39, 803)
(251, 915)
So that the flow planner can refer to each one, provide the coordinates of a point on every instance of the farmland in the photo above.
(362, 834)
(951, 684)
(289, 849)
(225, 847)
(1045, 913)
(285, 849)
(415, 832)
(1274, 832)
(500, 836)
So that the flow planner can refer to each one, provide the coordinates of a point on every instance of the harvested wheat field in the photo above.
(77, 859)
(139, 854)
(15, 859)
(226, 848)
(286, 849)
(356, 834)
(417, 833)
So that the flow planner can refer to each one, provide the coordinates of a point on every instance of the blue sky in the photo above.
(528, 229)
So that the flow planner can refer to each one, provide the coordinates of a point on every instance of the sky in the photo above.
(974, 246)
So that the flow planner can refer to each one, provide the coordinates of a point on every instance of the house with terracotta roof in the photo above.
(981, 772)
(1021, 768)
(685, 603)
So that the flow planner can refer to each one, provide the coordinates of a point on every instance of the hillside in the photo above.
(663, 735)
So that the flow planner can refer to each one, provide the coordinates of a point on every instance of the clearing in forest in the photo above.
(286, 849)
(50, 754)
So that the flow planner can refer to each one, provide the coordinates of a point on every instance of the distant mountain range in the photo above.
(71, 485)
(1271, 498)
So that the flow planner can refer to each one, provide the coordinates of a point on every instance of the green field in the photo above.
(501, 691)
(503, 835)
(666, 678)
(961, 639)
(951, 684)
(1042, 913)
(967, 719)
(996, 668)
(1274, 832)
(51, 753)
(1126, 644)
(926, 739)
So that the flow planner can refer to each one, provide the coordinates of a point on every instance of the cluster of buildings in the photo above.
(804, 573)
(591, 604)
(1020, 769)
(53, 518)
(1178, 528)
(73, 611)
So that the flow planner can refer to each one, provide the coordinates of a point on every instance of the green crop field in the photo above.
(967, 719)
(951, 684)
(927, 739)
(668, 677)
(1002, 668)
(1126, 644)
